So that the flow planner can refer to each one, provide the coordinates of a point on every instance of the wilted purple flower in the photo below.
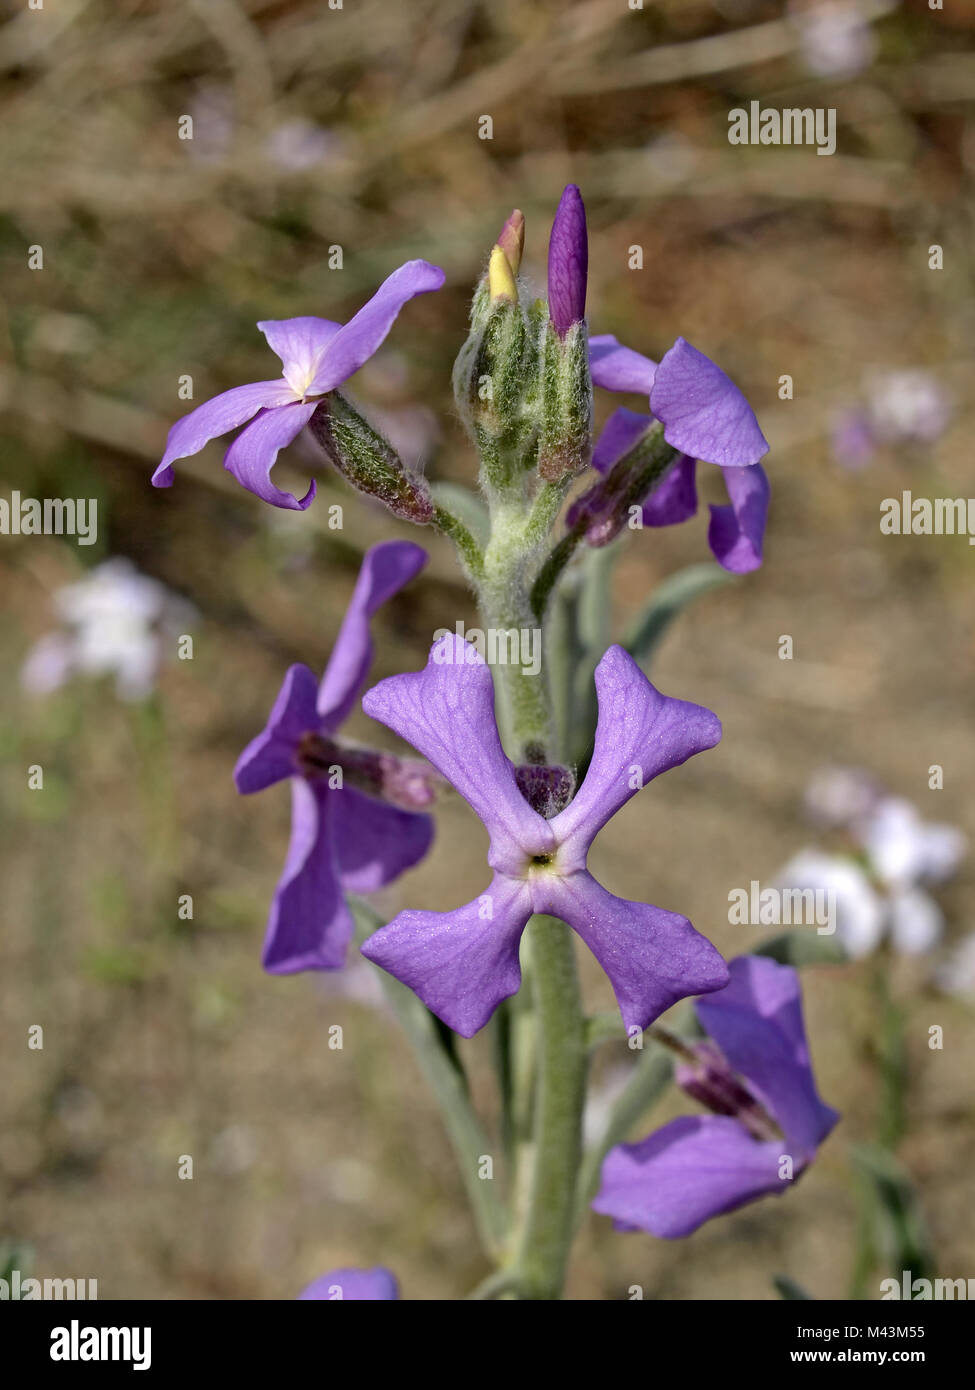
(342, 839)
(761, 1080)
(706, 417)
(318, 356)
(463, 963)
(568, 262)
(374, 1285)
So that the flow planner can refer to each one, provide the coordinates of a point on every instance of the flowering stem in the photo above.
(548, 1226)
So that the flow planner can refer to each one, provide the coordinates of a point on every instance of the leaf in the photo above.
(800, 948)
(664, 605)
(466, 506)
(788, 1288)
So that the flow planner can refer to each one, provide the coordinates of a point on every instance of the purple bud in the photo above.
(568, 262)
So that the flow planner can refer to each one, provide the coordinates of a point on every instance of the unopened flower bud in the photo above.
(512, 239)
(565, 433)
(568, 262)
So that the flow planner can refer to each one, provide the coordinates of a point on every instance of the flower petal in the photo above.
(270, 756)
(703, 412)
(757, 1022)
(460, 963)
(736, 532)
(310, 925)
(622, 432)
(639, 732)
(683, 1174)
(353, 1285)
(619, 368)
(363, 334)
(374, 842)
(253, 453)
(675, 498)
(385, 569)
(652, 957)
(300, 343)
(215, 417)
(447, 712)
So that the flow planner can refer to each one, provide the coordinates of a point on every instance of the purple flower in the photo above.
(342, 839)
(706, 417)
(568, 262)
(759, 1081)
(318, 356)
(463, 963)
(374, 1285)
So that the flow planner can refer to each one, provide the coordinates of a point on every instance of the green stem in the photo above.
(448, 1084)
(467, 547)
(548, 1227)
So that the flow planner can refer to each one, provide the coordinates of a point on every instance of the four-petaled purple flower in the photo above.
(463, 963)
(376, 1285)
(318, 356)
(769, 1122)
(342, 839)
(706, 417)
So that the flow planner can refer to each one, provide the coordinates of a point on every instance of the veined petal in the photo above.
(253, 453)
(300, 343)
(375, 842)
(652, 957)
(270, 756)
(447, 712)
(374, 1285)
(736, 533)
(703, 412)
(363, 334)
(385, 569)
(310, 925)
(460, 963)
(621, 433)
(619, 368)
(675, 498)
(640, 734)
(757, 1022)
(683, 1174)
(216, 417)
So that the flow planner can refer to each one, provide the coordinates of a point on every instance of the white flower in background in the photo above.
(837, 796)
(908, 404)
(904, 849)
(835, 39)
(299, 144)
(859, 907)
(113, 622)
(956, 974)
(915, 922)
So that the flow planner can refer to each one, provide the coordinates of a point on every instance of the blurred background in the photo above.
(357, 127)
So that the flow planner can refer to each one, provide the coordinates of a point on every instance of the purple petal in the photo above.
(374, 843)
(652, 957)
(353, 1285)
(618, 368)
(568, 262)
(363, 334)
(736, 532)
(385, 569)
(301, 344)
(310, 925)
(215, 417)
(685, 1173)
(757, 1023)
(639, 731)
(675, 499)
(703, 412)
(460, 963)
(622, 432)
(253, 453)
(270, 756)
(447, 712)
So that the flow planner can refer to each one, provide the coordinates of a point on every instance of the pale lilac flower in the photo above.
(342, 839)
(859, 909)
(318, 356)
(463, 963)
(116, 621)
(298, 145)
(835, 39)
(904, 849)
(374, 1285)
(908, 404)
(706, 417)
(759, 1081)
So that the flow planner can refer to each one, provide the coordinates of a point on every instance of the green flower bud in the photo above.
(368, 461)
